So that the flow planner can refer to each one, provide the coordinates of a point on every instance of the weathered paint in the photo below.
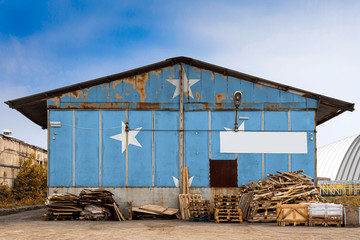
(87, 148)
(61, 152)
(153, 87)
(150, 103)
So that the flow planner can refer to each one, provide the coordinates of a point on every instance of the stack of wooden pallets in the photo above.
(227, 208)
(199, 210)
(62, 207)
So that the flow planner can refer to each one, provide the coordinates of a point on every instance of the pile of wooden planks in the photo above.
(285, 188)
(91, 204)
(154, 211)
(98, 204)
(62, 207)
(227, 208)
(184, 200)
(199, 210)
(96, 196)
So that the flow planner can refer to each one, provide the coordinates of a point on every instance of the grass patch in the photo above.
(344, 200)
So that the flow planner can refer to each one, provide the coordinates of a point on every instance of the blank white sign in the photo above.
(263, 142)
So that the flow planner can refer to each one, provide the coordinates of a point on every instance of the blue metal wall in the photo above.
(89, 149)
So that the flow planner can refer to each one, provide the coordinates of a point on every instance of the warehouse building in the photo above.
(340, 160)
(135, 131)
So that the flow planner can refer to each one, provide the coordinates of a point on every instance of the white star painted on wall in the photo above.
(131, 137)
(176, 181)
(240, 128)
(187, 83)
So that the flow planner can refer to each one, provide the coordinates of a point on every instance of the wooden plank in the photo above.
(154, 208)
(135, 209)
(117, 214)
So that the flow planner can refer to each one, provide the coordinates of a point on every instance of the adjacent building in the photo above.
(12, 152)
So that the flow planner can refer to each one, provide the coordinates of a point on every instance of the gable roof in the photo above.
(34, 106)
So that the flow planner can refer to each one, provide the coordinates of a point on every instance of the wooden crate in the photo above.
(292, 214)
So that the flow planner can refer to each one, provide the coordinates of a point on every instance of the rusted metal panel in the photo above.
(223, 173)
(160, 89)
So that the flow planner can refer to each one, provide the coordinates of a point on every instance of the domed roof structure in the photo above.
(340, 160)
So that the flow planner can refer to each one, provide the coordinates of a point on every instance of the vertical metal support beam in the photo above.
(262, 155)
(153, 148)
(100, 147)
(316, 180)
(289, 129)
(209, 135)
(73, 148)
(127, 150)
(181, 130)
(48, 150)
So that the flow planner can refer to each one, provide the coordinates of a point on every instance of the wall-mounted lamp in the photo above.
(237, 102)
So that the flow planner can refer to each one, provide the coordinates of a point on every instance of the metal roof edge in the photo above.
(35, 98)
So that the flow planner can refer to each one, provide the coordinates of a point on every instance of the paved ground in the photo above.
(30, 225)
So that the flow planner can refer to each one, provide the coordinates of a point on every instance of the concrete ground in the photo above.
(30, 225)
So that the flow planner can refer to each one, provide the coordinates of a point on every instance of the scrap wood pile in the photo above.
(227, 208)
(62, 206)
(91, 204)
(98, 205)
(284, 187)
(154, 211)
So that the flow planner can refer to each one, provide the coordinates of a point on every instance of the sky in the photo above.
(311, 45)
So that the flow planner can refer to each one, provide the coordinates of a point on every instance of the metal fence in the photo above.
(339, 188)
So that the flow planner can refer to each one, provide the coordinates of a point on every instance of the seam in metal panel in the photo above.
(73, 148)
(48, 152)
(181, 130)
(289, 128)
(127, 150)
(100, 147)
(153, 148)
(210, 135)
(262, 155)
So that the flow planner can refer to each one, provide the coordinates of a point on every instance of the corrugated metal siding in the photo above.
(95, 154)
(331, 156)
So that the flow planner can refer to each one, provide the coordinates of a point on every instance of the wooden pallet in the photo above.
(184, 200)
(326, 221)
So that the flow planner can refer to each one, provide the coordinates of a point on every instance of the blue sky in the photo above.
(313, 45)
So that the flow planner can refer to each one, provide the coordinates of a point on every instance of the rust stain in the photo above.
(115, 83)
(198, 96)
(131, 80)
(118, 96)
(219, 105)
(157, 72)
(143, 105)
(259, 86)
(140, 85)
(276, 107)
(212, 75)
(204, 105)
(220, 97)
